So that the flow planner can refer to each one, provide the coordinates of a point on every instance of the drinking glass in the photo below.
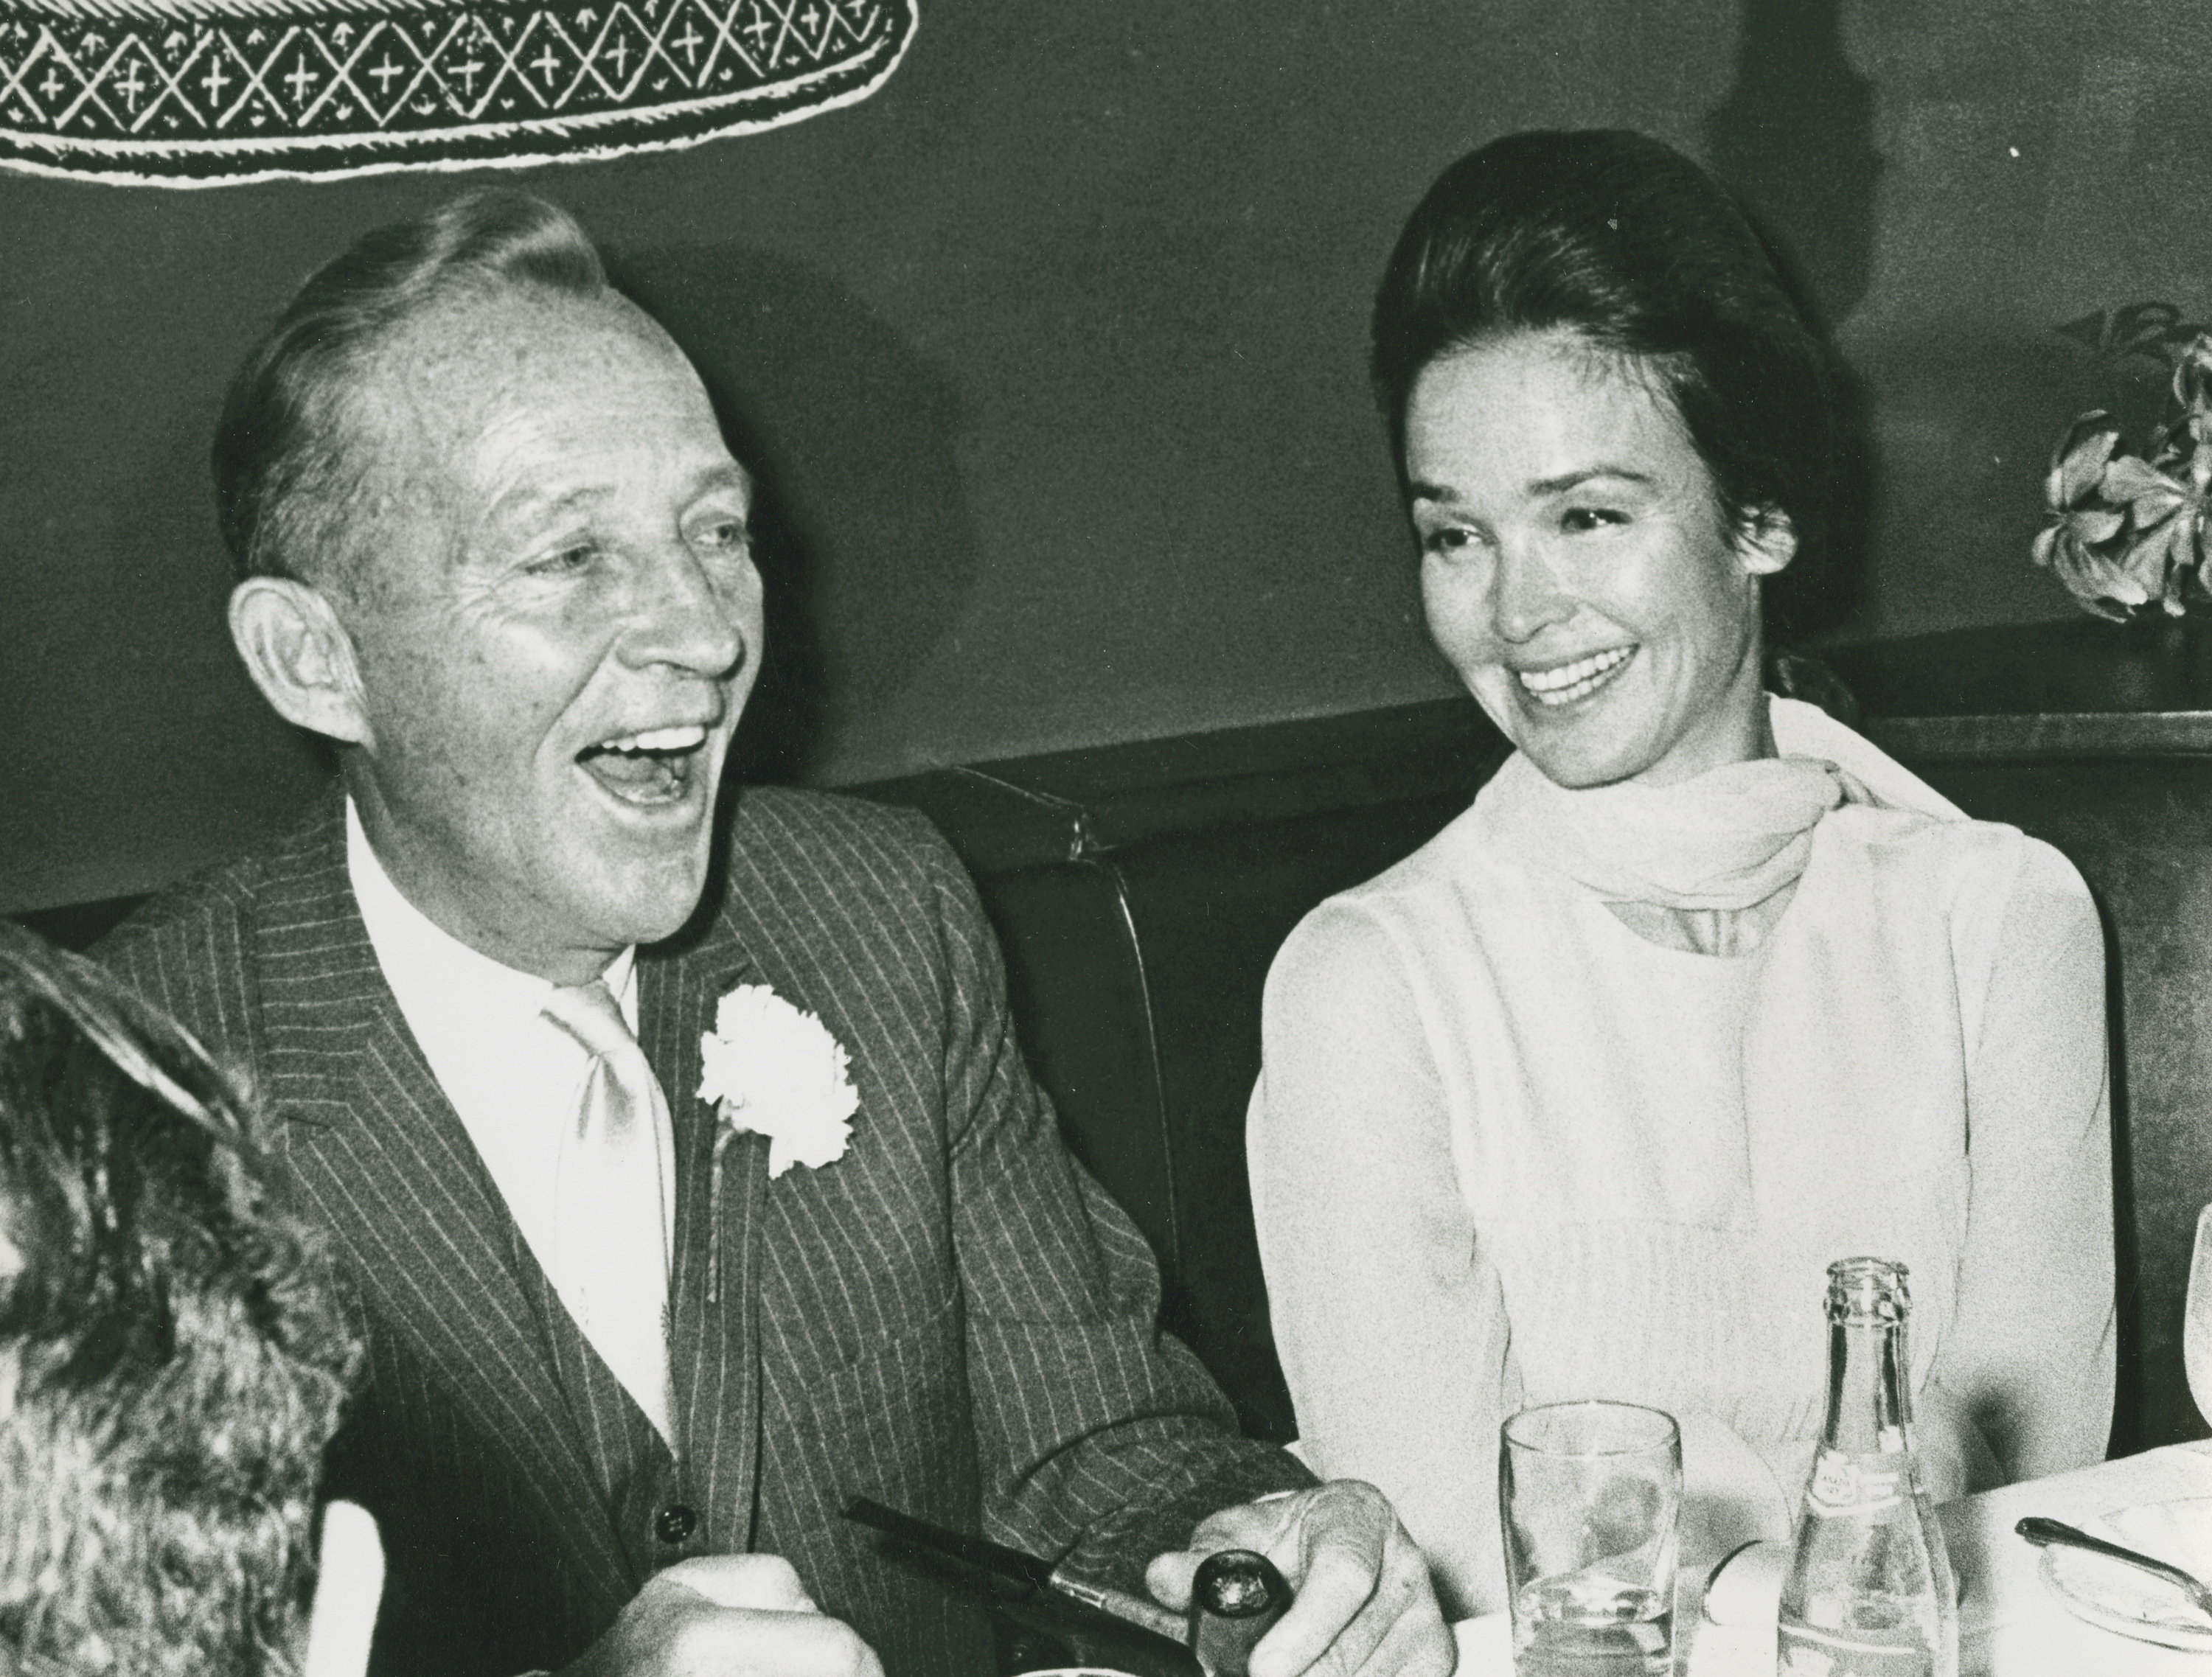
(2196, 1318)
(1587, 1495)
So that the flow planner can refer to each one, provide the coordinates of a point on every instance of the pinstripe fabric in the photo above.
(952, 1319)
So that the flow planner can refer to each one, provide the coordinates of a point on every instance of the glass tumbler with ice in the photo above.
(1588, 1494)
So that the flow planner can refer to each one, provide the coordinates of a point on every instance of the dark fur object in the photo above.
(177, 1357)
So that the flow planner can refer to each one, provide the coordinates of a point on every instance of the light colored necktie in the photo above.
(611, 1253)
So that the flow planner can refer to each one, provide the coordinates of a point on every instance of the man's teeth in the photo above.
(687, 738)
(654, 766)
(1568, 681)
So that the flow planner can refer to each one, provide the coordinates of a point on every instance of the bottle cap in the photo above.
(1868, 1291)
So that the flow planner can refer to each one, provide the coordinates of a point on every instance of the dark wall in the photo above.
(1051, 353)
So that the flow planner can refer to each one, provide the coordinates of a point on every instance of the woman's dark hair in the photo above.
(1632, 247)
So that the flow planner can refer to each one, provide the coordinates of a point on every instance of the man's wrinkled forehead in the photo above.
(432, 383)
(436, 398)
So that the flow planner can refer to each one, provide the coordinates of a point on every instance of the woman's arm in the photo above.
(1390, 1326)
(2030, 1354)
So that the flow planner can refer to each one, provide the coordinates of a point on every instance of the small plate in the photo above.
(2116, 1596)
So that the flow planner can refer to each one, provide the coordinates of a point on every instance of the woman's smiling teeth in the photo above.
(1564, 684)
(654, 766)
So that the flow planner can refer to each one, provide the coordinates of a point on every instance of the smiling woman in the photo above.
(1576, 565)
(1703, 991)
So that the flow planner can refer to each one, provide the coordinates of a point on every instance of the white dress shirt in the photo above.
(512, 1074)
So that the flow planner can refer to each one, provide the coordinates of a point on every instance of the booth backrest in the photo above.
(1140, 892)
(2140, 828)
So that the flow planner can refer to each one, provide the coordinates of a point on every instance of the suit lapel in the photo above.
(713, 1346)
(375, 1148)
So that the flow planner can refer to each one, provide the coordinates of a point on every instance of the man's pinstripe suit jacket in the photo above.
(953, 1319)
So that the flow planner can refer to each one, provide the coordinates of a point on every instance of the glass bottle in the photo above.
(1869, 1591)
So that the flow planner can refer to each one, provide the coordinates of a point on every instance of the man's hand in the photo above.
(1364, 1605)
(727, 1616)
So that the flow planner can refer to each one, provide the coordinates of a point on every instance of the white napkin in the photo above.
(1746, 1589)
(349, 1585)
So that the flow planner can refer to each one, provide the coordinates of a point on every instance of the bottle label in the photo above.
(1806, 1652)
(1857, 1484)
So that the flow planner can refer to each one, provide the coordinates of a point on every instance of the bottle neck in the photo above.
(1869, 1392)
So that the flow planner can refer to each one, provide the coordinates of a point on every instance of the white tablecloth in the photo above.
(2010, 1626)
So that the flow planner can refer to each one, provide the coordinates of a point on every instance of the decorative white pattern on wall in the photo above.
(194, 93)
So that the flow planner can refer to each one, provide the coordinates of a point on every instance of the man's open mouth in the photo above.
(1564, 684)
(659, 766)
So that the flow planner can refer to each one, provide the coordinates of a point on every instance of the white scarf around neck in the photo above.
(1725, 840)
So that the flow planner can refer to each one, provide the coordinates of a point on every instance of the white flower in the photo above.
(778, 1072)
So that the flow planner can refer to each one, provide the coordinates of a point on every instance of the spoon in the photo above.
(2046, 1533)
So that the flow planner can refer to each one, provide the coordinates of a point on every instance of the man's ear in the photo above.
(299, 656)
(1767, 541)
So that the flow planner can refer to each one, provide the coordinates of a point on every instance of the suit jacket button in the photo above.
(674, 1523)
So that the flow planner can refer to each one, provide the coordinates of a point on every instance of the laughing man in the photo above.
(631, 1350)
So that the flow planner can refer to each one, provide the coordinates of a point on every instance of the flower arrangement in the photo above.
(2126, 530)
(776, 1070)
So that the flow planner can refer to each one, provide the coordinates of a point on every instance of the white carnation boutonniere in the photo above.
(774, 1070)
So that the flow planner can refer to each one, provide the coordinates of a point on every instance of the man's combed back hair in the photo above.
(178, 1355)
(1628, 244)
(288, 490)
